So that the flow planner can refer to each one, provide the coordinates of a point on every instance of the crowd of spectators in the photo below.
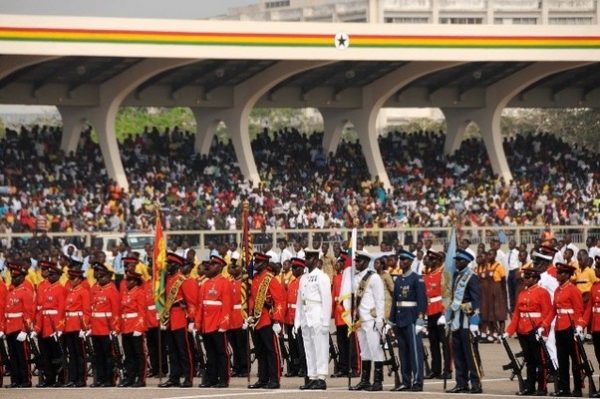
(302, 186)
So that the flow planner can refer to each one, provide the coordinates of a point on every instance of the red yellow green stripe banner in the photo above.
(293, 40)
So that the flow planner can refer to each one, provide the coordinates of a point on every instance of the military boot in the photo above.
(364, 383)
(378, 379)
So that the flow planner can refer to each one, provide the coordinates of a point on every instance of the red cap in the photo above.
(17, 268)
(563, 267)
(218, 260)
(298, 262)
(260, 257)
(75, 273)
(174, 258)
(130, 259)
(45, 264)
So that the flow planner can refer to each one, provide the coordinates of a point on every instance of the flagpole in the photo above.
(351, 326)
(244, 286)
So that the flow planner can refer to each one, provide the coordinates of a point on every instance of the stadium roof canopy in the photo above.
(89, 67)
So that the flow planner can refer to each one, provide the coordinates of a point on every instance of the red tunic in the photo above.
(214, 305)
(78, 308)
(38, 293)
(338, 307)
(236, 320)
(276, 294)
(592, 310)
(105, 309)
(187, 295)
(151, 314)
(568, 306)
(292, 296)
(533, 310)
(133, 310)
(19, 310)
(433, 289)
(51, 316)
(3, 294)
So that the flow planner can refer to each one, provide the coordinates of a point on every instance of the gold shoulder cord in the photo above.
(164, 316)
(261, 295)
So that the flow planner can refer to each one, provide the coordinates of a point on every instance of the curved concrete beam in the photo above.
(12, 63)
(245, 96)
(497, 97)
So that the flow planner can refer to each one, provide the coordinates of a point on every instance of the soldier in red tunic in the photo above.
(212, 321)
(592, 313)
(236, 334)
(436, 321)
(180, 306)
(77, 322)
(531, 319)
(296, 346)
(267, 310)
(105, 321)
(18, 316)
(49, 325)
(133, 326)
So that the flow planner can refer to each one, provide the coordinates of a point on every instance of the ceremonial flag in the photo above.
(449, 269)
(159, 265)
(345, 297)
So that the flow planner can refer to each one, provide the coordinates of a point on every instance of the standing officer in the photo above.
(179, 312)
(49, 325)
(463, 316)
(409, 305)
(436, 321)
(235, 334)
(568, 308)
(77, 320)
(267, 309)
(296, 348)
(313, 315)
(18, 315)
(105, 322)
(212, 320)
(532, 316)
(369, 307)
(133, 316)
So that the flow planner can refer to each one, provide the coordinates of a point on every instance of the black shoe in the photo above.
(95, 385)
(186, 384)
(561, 393)
(124, 384)
(58, 384)
(12, 385)
(375, 387)
(361, 386)
(272, 385)
(339, 374)
(42, 385)
(169, 384)
(69, 384)
(307, 385)
(302, 373)
(458, 389)
(206, 384)
(476, 389)
(242, 374)
(417, 388)
(577, 393)
(447, 375)
(400, 388)
(319, 384)
(25, 385)
(107, 385)
(257, 384)
(539, 392)
(221, 385)
(525, 392)
(431, 376)
(138, 384)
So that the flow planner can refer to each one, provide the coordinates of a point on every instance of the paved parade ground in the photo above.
(495, 384)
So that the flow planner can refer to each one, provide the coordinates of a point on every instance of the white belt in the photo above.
(291, 306)
(152, 307)
(565, 311)
(531, 314)
(73, 314)
(49, 312)
(130, 315)
(238, 306)
(435, 299)
(101, 314)
(208, 302)
(596, 309)
(14, 315)
(309, 301)
(406, 304)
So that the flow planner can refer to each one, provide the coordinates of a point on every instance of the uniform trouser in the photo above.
(316, 345)
(239, 345)
(51, 356)
(536, 367)
(153, 350)
(76, 357)
(135, 357)
(267, 354)
(596, 342)
(369, 341)
(565, 345)
(19, 355)
(410, 348)
(347, 345)
(103, 359)
(293, 350)
(181, 358)
(217, 357)
(512, 289)
(437, 339)
(465, 364)
(301, 350)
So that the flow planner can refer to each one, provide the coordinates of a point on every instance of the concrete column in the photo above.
(457, 120)
(334, 121)
(206, 127)
(74, 120)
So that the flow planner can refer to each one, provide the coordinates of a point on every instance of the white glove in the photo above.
(57, 334)
(419, 328)
(222, 330)
(505, 335)
(540, 332)
(245, 325)
(191, 327)
(163, 327)
(294, 332)
(579, 331)
(386, 329)
(137, 333)
(474, 328)
(22, 336)
(379, 325)
(88, 333)
(32, 334)
(276, 328)
(1, 334)
(324, 329)
(81, 334)
(442, 320)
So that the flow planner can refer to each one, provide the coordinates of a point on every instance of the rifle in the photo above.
(514, 365)
(426, 359)
(551, 367)
(4, 355)
(584, 363)
(117, 353)
(285, 355)
(389, 357)
(201, 356)
(61, 350)
(334, 354)
(89, 355)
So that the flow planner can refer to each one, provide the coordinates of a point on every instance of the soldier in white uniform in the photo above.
(313, 315)
(369, 304)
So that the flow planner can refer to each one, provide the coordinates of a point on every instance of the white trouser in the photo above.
(368, 339)
(551, 346)
(316, 347)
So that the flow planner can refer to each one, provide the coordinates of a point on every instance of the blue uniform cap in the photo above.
(461, 254)
(404, 254)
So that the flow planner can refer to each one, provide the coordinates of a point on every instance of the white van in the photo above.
(136, 241)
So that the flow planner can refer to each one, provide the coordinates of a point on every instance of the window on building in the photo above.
(461, 21)
(277, 4)
(516, 21)
(406, 20)
(570, 20)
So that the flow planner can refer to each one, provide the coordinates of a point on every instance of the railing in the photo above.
(521, 5)
(372, 237)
